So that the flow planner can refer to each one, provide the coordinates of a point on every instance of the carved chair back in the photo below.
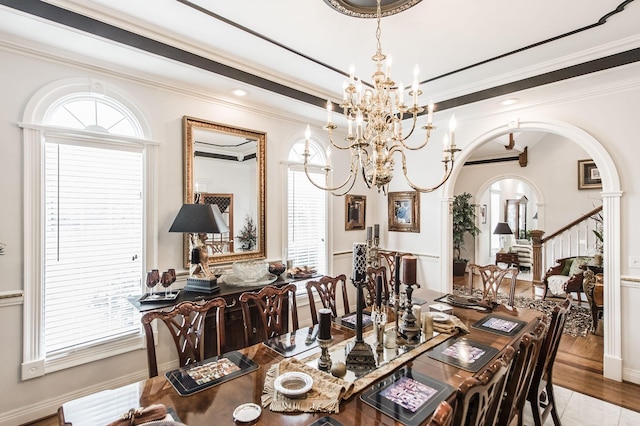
(274, 305)
(479, 396)
(327, 289)
(542, 383)
(390, 259)
(372, 275)
(521, 374)
(492, 277)
(186, 323)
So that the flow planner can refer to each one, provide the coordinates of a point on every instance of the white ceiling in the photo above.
(307, 46)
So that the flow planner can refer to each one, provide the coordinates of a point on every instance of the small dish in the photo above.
(439, 316)
(247, 413)
(293, 384)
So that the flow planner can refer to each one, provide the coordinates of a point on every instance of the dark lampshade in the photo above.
(502, 228)
(199, 219)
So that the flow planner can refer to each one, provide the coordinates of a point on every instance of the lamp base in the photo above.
(202, 285)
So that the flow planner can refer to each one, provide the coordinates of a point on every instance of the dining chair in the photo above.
(274, 305)
(443, 416)
(521, 373)
(478, 397)
(390, 259)
(327, 289)
(372, 275)
(186, 324)
(492, 277)
(540, 394)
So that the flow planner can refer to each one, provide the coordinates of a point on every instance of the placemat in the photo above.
(464, 353)
(499, 325)
(349, 320)
(465, 302)
(407, 396)
(210, 372)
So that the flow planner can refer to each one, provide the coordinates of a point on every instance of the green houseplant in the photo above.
(464, 221)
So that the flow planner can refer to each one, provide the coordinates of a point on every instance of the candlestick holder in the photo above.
(324, 363)
(360, 356)
(379, 318)
(408, 329)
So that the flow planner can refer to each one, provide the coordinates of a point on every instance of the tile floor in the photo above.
(577, 409)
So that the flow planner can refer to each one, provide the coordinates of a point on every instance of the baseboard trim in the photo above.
(631, 375)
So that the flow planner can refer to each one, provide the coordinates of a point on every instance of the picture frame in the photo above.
(404, 211)
(588, 175)
(355, 207)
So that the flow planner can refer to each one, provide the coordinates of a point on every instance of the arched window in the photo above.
(88, 187)
(307, 224)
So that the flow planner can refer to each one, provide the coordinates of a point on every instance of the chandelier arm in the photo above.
(335, 145)
(352, 175)
(447, 173)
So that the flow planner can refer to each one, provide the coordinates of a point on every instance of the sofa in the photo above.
(566, 276)
(524, 249)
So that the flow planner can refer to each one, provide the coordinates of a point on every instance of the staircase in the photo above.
(575, 239)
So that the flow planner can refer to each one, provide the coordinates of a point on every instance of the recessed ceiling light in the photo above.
(239, 92)
(509, 101)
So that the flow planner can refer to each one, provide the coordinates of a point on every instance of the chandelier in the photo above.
(375, 132)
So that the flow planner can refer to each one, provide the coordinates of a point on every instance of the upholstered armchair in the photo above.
(565, 277)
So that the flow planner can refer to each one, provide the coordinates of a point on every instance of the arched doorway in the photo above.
(611, 195)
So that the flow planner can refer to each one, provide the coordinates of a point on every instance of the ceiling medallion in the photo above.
(368, 8)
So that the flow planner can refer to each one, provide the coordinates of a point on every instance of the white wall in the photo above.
(594, 105)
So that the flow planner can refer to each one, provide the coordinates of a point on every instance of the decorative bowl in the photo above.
(277, 268)
(250, 270)
(293, 384)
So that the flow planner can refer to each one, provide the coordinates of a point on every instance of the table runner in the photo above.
(328, 391)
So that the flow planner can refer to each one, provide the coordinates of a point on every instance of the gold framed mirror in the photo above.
(223, 163)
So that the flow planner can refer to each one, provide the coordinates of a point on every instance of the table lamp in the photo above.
(502, 228)
(200, 220)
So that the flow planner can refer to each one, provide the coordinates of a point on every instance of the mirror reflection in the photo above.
(225, 166)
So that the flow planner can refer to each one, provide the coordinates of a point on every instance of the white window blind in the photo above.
(307, 221)
(93, 244)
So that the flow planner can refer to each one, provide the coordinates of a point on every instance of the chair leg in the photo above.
(535, 411)
(552, 402)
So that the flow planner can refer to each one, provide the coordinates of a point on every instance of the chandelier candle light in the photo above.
(374, 124)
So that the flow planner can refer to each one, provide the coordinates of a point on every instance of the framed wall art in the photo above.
(355, 209)
(588, 175)
(404, 211)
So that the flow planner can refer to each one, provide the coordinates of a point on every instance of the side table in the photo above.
(508, 258)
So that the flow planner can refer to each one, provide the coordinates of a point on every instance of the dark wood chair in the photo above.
(521, 374)
(593, 286)
(443, 416)
(372, 275)
(186, 323)
(274, 305)
(478, 397)
(327, 289)
(390, 259)
(541, 395)
(562, 268)
(492, 277)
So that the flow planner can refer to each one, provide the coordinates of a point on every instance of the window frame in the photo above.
(35, 363)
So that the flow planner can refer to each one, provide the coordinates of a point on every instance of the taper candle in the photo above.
(376, 230)
(359, 261)
(368, 233)
(396, 279)
(409, 269)
(324, 318)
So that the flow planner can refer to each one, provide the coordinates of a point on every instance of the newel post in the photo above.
(536, 237)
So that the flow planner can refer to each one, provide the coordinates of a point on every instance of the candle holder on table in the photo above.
(360, 356)
(408, 330)
(324, 362)
(324, 338)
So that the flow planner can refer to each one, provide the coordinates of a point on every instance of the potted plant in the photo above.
(248, 235)
(464, 221)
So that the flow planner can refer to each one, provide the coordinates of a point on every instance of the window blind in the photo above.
(93, 244)
(307, 221)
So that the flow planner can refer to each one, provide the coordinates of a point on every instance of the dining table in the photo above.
(216, 404)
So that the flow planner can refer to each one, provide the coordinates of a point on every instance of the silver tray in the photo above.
(159, 297)
(233, 280)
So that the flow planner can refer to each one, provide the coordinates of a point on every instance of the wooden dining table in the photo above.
(216, 404)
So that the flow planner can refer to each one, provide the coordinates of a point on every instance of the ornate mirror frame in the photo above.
(190, 126)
